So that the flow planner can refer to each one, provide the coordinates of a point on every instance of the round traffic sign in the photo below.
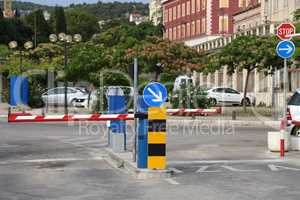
(284, 31)
(155, 94)
(285, 49)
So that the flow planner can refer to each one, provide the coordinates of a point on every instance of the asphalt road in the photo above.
(66, 161)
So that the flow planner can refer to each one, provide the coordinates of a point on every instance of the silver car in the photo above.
(56, 96)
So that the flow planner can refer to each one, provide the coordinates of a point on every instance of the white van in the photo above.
(182, 80)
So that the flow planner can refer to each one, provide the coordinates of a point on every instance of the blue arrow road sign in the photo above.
(155, 94)
(285, 49)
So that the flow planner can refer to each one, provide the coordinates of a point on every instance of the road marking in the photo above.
(239, 170)
(172, 181)
(276, 168)
(176, 171)
(181, 162)
(204, 169)
(50, 160)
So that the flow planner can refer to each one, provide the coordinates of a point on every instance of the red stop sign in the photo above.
(284, 30)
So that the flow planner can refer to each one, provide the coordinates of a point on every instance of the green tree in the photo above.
(82, 22)
(250, 53)
(14, 29)
(37, 21)
(60, 20)
(162, 56)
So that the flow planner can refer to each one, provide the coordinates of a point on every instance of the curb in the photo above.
(120, 160)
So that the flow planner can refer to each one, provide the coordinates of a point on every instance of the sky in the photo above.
(68, 2)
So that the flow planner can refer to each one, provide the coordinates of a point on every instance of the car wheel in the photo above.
(247, 101)
(212, 102)
(295, 131)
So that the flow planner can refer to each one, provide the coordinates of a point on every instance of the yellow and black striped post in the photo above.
(157, 137)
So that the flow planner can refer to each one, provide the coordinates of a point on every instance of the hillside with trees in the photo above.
(112, 10)
(26, 6)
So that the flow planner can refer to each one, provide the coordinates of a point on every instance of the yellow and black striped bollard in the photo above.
(157, 137)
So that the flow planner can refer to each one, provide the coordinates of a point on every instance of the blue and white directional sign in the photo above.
(155, 94)
(285, 49)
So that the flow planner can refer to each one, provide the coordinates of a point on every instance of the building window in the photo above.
(188, 8)
(178, 32)
(170, 34)
(285, 3)
(183, 31)
(167, 34)
(166, 15)
(193, 6)
(174, 33)
(275, 5)
(178, 11)
(193, 28)
(203, 4)
(170, 14)
(183, 9)
(198, 27)
(188, 30)
(223, 24)
(203, 25)
(174, 12)
(224, 3)
(198, 5)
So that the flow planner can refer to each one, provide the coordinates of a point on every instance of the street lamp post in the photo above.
(66, 40)
(14, 45)
(23, 88)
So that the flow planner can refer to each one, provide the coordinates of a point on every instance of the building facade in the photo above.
(155, 12)
(258, 18)
(198, 21)
(7, 11)
(279, 10)
(137, 18)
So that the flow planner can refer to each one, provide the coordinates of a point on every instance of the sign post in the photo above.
(155, 95)
(285, 49)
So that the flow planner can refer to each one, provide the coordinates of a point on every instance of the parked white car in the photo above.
(229, 96)
(56, 96)
(87, 101)
(293, 112)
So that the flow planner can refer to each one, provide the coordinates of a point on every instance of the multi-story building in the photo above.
(155, 12)
(137, 18)
(199, 21)
(258, 18)
(279, 10)
(7, 11)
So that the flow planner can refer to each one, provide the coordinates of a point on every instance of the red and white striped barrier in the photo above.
(27, 117)
(64, 118)
(205, 112)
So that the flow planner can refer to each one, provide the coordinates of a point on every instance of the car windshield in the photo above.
(83, 90)
(295, 99)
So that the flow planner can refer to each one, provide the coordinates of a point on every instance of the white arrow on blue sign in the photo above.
(155, 94)
(285, 49)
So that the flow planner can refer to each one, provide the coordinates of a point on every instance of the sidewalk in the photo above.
(3, 109)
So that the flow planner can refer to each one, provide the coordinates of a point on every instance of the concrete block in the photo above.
(274, 141)
(295, 143)
(117, 142)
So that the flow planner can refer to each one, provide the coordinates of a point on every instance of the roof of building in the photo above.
(250, 7)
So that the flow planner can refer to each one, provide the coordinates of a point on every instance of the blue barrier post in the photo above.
(25, 90)
(142, 149)
(18, 91)
(117, 129)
